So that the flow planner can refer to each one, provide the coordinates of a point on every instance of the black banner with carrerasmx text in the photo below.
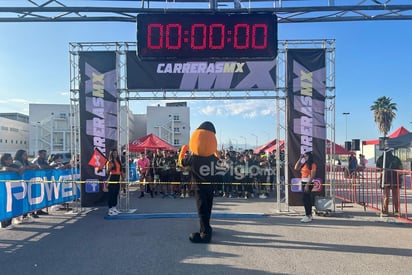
(200, 75)
(306, 83)
(98, 118)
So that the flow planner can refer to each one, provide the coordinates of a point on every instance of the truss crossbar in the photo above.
(127, 10)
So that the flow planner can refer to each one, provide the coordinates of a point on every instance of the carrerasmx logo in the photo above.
(200, 67)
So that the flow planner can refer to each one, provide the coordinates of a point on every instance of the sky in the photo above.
(373, 59)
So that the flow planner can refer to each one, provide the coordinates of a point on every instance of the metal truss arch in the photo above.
(127, 10)
(278, 95)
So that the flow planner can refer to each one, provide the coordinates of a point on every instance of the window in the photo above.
(4, 128)
(14, 129)
(176, 117)
(176, 130)
(176, 142)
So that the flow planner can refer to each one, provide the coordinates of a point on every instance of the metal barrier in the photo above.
(364, 187)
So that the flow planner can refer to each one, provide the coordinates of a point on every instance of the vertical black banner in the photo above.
(306, 80)
(98, 117)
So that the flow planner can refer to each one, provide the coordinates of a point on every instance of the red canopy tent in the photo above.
(272, 148)
(339, 150)
(264, 146)
(149, 142)
(397, 133)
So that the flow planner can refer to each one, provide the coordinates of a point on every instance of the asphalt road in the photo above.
(349, 242)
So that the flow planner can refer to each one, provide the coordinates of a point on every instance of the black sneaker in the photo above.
(41, 212)
(34, 215)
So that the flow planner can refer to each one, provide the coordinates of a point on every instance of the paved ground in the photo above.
(350, 242)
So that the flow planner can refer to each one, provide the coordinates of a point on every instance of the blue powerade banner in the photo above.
(34, 190)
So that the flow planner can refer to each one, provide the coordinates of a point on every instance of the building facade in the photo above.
(14, 132)
(49, 128)
(171, 122)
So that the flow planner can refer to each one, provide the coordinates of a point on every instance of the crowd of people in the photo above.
(20, 163)
(245, 174)
(355, 166)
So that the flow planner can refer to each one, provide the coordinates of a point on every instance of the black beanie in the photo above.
(207, 125)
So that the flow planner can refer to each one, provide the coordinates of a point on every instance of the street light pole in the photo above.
(245, 141)
(257, 141)
(346, 130)
(236, 144)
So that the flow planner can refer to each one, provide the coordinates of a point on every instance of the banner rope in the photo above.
(172, 182)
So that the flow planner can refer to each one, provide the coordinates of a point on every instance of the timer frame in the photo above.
(206, 36)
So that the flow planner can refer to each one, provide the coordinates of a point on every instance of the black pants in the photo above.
(307, 199)
(113, 191)
(204, 203)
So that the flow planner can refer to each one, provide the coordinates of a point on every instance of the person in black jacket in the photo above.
(205, 170)
(392, 181)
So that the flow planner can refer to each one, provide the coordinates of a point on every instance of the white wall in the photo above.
(49, 128)
(14, 135)
(170, 123)
(370, 154)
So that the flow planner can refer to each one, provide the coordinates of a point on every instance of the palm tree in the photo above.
(384, 113)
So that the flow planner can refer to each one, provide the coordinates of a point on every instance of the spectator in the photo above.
(227, 163)
(21, 159)
(263, 176)
(391, 182)
(185, 183)
(41, 160)
(57, 162)
(171, 176)
(142, 167)
(156, 166)
(8, 165)
(352, 165)
(362, 162)
(124, 163)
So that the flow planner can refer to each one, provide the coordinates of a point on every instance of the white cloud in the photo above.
(248, 109)
(267, 112)
(208, 110)
(19, 100)
(15, 105)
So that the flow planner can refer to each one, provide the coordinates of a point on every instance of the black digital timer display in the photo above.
(207, 36)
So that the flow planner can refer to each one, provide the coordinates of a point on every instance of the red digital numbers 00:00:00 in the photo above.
(202, 36)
